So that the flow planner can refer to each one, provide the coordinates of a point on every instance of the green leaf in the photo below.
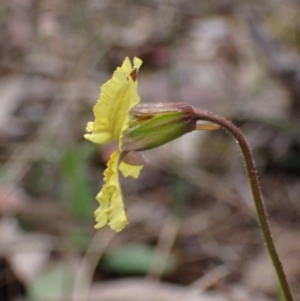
(56, 283)
(136, 259)
(76, 184)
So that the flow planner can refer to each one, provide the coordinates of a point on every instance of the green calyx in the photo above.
(154, 125)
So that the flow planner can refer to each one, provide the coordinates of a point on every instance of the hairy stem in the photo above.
(260, 208)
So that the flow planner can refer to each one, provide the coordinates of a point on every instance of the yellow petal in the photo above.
(111, 210)
(117, 97)
(97, 133)
(101, 137)
(137, 63)
(130, 170)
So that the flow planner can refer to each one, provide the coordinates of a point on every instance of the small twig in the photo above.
(166, 240)
(84, 275)
(254, 184)
(209, 279)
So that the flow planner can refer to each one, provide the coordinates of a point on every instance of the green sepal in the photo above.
(157, 129)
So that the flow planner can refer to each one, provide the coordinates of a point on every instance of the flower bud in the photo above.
(153, 125)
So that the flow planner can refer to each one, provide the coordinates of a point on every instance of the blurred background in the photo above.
(193, 233)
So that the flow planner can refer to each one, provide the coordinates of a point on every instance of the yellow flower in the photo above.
(135, 127)
(117, 97)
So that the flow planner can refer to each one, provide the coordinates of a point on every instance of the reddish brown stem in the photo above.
(260, 208)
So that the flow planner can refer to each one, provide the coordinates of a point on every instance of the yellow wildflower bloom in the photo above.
(149, 126)
(117, 97)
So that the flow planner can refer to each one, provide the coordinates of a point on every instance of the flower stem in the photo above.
(260, 208)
